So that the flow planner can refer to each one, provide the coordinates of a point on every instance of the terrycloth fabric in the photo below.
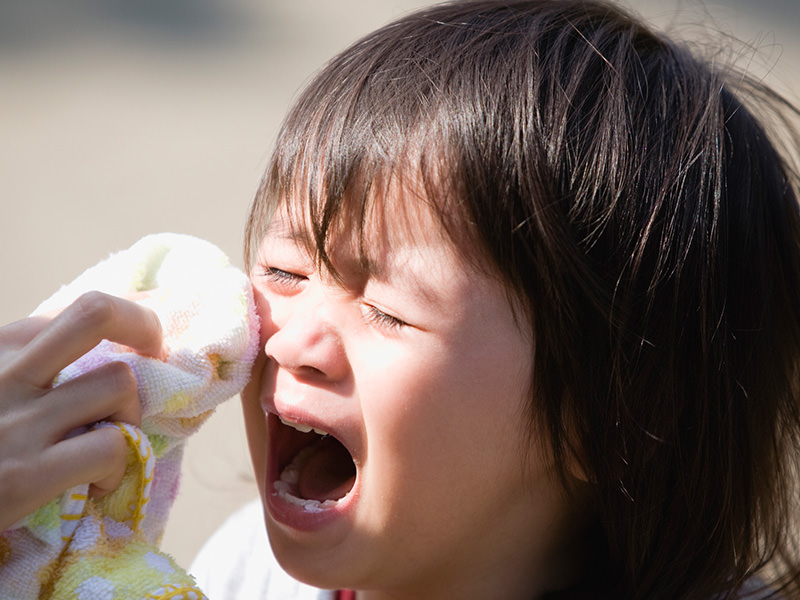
(79, 549)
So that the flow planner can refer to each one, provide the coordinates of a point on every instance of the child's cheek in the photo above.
(264, 313)
(255, 421)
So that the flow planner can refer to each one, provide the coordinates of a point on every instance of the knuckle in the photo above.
(94, 309)
(126, 394)
(123, 378)
(151, 323)
(158, 328)
(111, 471)
(118, 452)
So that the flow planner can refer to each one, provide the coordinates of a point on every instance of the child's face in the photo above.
(419, 369)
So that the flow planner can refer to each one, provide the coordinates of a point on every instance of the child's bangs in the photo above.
(341, 167)
(371, 120)
(330, 198)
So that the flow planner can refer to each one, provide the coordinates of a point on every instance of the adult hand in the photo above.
(39, 459)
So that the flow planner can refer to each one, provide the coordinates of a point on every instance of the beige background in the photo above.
(121, 118)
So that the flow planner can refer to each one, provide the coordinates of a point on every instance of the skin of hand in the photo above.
(40, 455)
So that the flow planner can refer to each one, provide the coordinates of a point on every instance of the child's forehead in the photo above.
(407, 250)
(381, 214)
(387, 223)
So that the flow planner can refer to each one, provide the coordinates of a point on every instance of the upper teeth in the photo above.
(302, 428)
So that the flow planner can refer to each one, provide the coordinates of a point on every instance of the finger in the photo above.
(19, 333)
(108, 393)
(91, 318)
(97, 457)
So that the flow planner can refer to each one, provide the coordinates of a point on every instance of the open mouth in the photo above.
(315, 470)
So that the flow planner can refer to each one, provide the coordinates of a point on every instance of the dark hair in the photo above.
(637, 209)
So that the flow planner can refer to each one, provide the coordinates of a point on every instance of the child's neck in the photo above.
(554, 558)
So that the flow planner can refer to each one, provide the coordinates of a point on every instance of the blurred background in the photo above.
(120, 118)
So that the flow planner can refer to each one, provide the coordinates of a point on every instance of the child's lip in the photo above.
(286, 513)
(339, 428)
(283, 447)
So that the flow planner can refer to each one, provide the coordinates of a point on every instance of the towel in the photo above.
(78, 548)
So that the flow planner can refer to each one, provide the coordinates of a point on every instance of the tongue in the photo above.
(328, 474)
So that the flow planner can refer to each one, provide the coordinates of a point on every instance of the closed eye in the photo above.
(377, 317)
(282, 278)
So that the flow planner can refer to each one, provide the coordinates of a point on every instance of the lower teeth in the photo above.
(286, 485)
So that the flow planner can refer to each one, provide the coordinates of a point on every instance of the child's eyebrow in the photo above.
(298, 236)
(285, 231)
(353, 265)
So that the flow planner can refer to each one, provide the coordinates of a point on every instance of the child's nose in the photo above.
(307, 342)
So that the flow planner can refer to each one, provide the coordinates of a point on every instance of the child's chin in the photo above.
(325, 567)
